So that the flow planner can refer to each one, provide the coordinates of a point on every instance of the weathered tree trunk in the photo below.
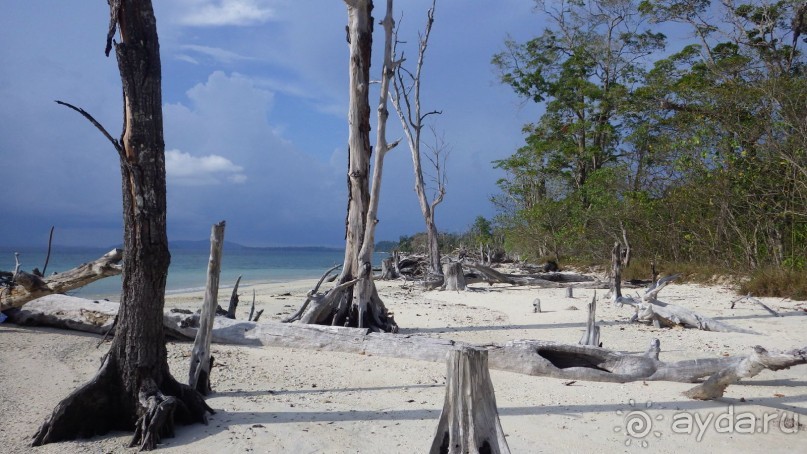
(592, 334)
(616, 271)
(469, 422)
(201, 359)
(388, 269)
(453, 276)
(134, 389)
(29, 287)
(345, 304)
(412, 123)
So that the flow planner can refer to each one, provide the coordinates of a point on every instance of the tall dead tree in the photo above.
(406, 100)
(134, 390)
(355, 301)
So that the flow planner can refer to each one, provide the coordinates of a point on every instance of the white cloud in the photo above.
(187, 170)
(218, 13)
(216, 53)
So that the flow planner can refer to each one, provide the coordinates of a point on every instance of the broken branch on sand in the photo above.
(26, 287)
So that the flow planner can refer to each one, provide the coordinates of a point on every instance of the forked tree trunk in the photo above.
(412, 123)
(469, 422)
(134, 389)
(355, 301)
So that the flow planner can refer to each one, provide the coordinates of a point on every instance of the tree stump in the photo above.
(388, 269)
(469, 422)
(454, 277)
(592, 334)
(201, 360)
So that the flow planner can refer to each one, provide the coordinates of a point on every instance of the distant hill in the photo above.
(386, 246)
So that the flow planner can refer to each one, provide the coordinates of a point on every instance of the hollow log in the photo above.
(469, 422)
(30, 287)
(530, 357)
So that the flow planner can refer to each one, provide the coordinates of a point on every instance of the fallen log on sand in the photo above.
(28, 287)
(530, 357)
(661, 314)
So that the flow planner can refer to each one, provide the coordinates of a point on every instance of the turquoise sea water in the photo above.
(188, 270)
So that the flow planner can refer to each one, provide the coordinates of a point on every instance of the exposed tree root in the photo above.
(335, 308)
(101, 405)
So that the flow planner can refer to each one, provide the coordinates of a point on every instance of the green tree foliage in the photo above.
(699, 153)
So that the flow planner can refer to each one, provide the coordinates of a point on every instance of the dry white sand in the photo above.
(279, 400)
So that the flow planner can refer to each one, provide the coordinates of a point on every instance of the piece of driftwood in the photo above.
(252, 308)
(469, 422)
(541, 280)
(453, 276)
(759, 360)
(199, 373)
(536, 306)
(757, 302)
(233, 300)
(68, 312)
(592, 334)
(660, 314)
(530, 357)
(29, 287)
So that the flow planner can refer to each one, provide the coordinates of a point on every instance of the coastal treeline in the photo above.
(694, 145)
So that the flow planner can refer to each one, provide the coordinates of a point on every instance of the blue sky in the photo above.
(255, 103)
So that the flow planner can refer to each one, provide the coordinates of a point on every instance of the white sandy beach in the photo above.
(279, 400)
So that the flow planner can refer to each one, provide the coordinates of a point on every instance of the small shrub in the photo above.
(777, 282)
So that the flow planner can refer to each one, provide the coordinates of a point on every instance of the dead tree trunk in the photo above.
(453, 276)
(412, 121)
(233, 300)
(616, 271)
(388, 271)
(469, 422)
(346, 305)
(592, 334)
(134, 390)
(26, 287)
(201, 359)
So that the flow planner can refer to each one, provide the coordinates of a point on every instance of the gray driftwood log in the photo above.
(530, 357)
(650, 309)
(469, 422)
(30, 287)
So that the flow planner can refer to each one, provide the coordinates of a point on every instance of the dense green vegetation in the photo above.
(699, 148)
